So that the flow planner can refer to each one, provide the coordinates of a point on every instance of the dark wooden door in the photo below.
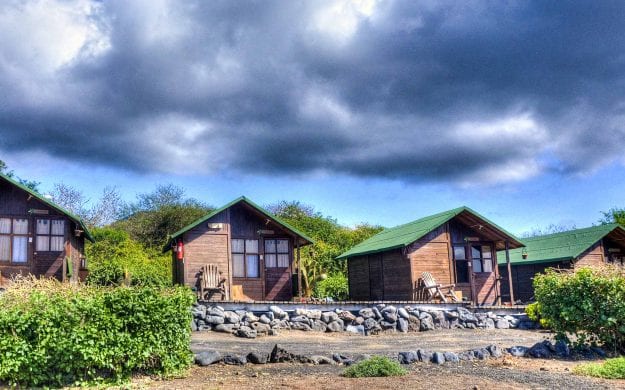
(376, 278)
(277, 273)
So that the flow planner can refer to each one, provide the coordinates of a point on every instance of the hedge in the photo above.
(588, 304)
(54, 334)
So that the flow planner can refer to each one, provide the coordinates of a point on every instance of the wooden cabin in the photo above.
(457, 246)
(38, 237)
(254, 251)
(595, 246)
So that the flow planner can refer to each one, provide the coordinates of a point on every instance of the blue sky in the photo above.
(376, 111)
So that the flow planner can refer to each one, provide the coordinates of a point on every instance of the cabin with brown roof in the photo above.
(254, 251)
(593, 247)
(38, 237)
(458, 247)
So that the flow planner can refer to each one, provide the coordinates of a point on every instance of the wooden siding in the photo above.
(430, 254)
(485, 287)
(522, 279)
(593, 257)
(397, 277)
(358, 277)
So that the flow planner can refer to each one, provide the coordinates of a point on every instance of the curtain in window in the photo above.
(238, 266)
(270, 260)
(252, 266)
(283, 260)
(238, 246)
(20, 249)
(20, 226)
(57, 243)
(488, 258)
(283, 246)
(5, 225)
(5, 248)
(43, 243)
(270, 246)
(58, 227)
(43, 226)
(251, 246)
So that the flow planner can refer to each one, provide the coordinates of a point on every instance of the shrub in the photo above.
(533, 312)
(610, 369)
(60, 334)
(589, 304)
(335, 287)
(375, 366)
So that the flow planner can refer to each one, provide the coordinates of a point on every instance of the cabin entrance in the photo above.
(277, 275)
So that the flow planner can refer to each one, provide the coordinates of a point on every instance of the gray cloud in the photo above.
(469, 91)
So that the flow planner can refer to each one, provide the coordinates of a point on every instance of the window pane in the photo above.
(238, 267)
(270, 246)
(486, 253)
(5, 225)
(283, 246)
(477, 266)
(43, 226)
(462, 271)
(488, 265)
(252, 266)
(20, 249)
(56, 243)
(283, 260)
(43, 243)
(58, 227)
(459, 253)
(5, 248)
(251, 246)
(237, 246)
(270, 260)
(20, 226)
(475, 252)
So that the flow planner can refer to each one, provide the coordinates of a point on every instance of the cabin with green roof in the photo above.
(458, 247)
(595, 246)
(38, 237)
(255, 252)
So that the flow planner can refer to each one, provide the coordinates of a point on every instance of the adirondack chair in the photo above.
(436, 290)
(211, 281)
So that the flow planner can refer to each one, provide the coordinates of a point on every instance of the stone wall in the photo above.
(366, 321)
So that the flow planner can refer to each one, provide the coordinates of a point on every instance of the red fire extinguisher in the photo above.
(180, 250)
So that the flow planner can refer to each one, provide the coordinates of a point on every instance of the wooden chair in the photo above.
(211, 281)
(436, 290)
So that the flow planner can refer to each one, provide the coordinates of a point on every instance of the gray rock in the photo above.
(234, 360)
(199, 312)
(246, 332)
(388, 325)
(206, 358)
(335, 326)
(225, 328)
(314, 314)
(275, 323)
(402, 325)
(264, 319)
(465, 315)
(260, 327)
(439, 319)
(215, 311)
(470, 325)
(204, 327)
(366, 313)
(300, 326)
(426, 322)
(540, 350)
(414, 323)
(466, 356)
(502, 323)
(318, 359)
(346, 316)
(193, 325)
(562, 349)
(370, 323)
(361, 357)
(278, 312)
(389, 308)
(214, 320)
(240, 313)
(408, 357)
(403, 313)
(250, 317)
(451, 357)
(424, 355)
(359, 321)
(489, 323)
(231, 317)
(480, 354)
(527, 325)
(341, 359)
(302, 319)
(273, 332)
(360, 329)
(319, 326)
(518, 351)
(257, 358)
(280, 355)
(451, 315)
(389, 316)
(438, 358)
(329, 316)
(494, 351)
(376, 311)
(599, 352)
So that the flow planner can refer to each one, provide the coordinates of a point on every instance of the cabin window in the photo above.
(50, 235)
(277, 253)
(14, 240)
(462, 264)
(482, 258)
(245, 258)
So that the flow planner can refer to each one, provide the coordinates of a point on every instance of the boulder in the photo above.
(300, 326)
(278, 312)
(366, 313)
(214, 320)
(403, 313)
(480, 354)
(257, 358)
(360, 329)
(359, 321)
(466, 356)
(408, 357)
(414, 323)
(225, 328)
(204, 327)
(489, 323)
(280, 355)
(502, 323)
(451, 315)
(341, 359)
(438, 358)
(346, 316)
(329, 316)
(215, 311)
(234, 360)
(439, 319)
(540, 350)
(451, 357)
(465, 315)
(335, 326)
(246, 332)
(205, 358)
(240, 313)
(424, 355)
(273, 332)
(562, 349)
(193, 325)
(376, 311)
(231, 317)
(260, 327)
(319, 326)
(199, 312)
(388, 325)
(265, 319)
(389, 316)
(302, 319)
(250, 317)
(318, 359)
(426, 322)
(494, 351)
(518, 351)
(402, 325)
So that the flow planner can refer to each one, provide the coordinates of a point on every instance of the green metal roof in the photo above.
(55, 206)
(228, 205)
(558, 246)
(404, 235)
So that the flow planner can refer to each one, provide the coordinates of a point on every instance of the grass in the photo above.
(375, 366)
(609, 369)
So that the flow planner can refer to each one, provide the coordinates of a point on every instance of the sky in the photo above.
(370, 111)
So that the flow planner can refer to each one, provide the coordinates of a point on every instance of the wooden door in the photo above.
(376, 278)
(277, 256)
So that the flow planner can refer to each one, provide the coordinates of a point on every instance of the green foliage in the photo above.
(116, 259)
(334, 286)
(375, 366)
(155, 215)
(614, 215)
(533, 312)
(54, 334)
(4, 169)
(331, 239)
(609, 369)
(589, 304)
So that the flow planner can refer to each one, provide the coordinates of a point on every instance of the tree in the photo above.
(104, 212)
(614, 215)
(4, 169)
(549, 229)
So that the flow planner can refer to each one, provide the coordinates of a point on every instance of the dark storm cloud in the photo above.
(458, 91)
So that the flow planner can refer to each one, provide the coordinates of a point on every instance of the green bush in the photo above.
(610, 369)
(589, 304)
(335, 287)
(533, 312)
(375, 366)
(116, 259)
(54, 334)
